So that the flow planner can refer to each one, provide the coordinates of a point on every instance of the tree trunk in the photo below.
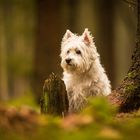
(48, 42)
(105, 32)
(127, 95)
(3, 57)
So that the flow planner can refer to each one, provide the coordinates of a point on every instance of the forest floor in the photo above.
(27, 123)
(18, 119)
(25, 118)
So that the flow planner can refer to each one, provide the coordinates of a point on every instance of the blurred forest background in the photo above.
(31, 33)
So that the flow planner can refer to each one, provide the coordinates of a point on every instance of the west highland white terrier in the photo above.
(83, 73)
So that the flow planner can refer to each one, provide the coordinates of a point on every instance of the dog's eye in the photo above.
(78, 51)
(68, 52)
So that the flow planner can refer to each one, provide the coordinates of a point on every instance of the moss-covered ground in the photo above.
(98, 121)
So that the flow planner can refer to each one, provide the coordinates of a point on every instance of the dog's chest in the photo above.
(78, 90)
(77, 94)
(78, 87)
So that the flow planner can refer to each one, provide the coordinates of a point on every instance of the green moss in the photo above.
(131, 74)
(131, 87)
(44, 103)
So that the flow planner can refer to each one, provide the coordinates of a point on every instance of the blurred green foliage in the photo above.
(24, 100)
(98, 121)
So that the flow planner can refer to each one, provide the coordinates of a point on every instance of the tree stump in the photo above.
(54, 100)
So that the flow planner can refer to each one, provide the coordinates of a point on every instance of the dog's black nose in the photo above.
(68, 60)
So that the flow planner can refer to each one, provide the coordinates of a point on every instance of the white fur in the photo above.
(84, 75)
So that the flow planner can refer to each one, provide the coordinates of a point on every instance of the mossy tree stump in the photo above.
(54, 100)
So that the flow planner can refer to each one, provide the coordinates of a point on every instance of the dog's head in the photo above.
(77, 52)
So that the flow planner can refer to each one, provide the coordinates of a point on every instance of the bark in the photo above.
(127, 95)
(54, 100)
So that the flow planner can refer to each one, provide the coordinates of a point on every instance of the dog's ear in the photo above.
(87, 38)
(67, 35)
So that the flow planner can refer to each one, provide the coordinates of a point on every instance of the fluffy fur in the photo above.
(83, 73)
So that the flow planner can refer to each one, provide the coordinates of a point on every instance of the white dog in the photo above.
(83, 73)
